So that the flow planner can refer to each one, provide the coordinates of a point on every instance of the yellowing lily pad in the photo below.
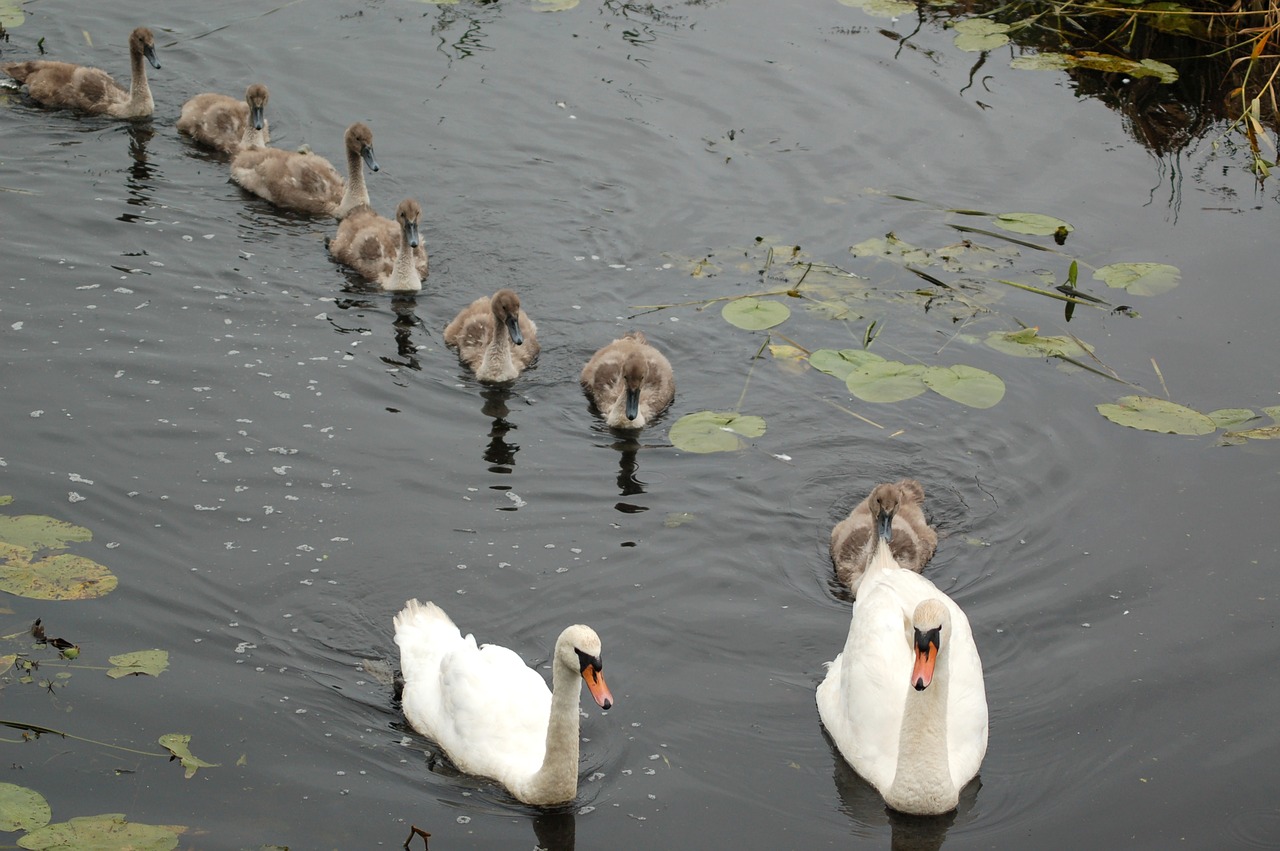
(711, 431)
(755, 314)
(1263, 433)
(886, 381)
(178, 744)
(553, 5)
(152, 662)
(1140, 278)
(1049, 61)
(1035, 224)
(11, 14)
(59, 577)
(977, 34)
(22, 808)
(107, 832)
(967, 385)
(840, 363)
(1027, 343)
(1151, 414)
(38, 532)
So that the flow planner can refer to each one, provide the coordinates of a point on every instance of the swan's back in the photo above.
(306, 183)
(484, 706)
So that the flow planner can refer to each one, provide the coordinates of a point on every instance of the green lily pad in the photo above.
(881, 8)
(1034, 224)
(1140, 278)
(1151, 414)
(712, 431)
(1228, 417)
(22, 808)
(11, 14)
(978, 34)
(178, 744)
(1027, 343)
(60, 577)
(151, 662)
(894, 249)
(38, 532)
(6, 499)
(553, 5)
(886, 381)
(840, 363)
(967, 385)
(755, 314)
(107, 832)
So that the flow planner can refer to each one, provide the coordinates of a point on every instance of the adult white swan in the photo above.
(490, 712)
(905, 702)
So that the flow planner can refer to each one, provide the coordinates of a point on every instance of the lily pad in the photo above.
(1046, 61)
(151, 662)
(712, 431)
(1263, 433)
(1228, 417)
(553, 5)
(881, 8)
(1027, 343)
(978, 34)
(1035, 224)
(22, 808)
(59, 577)
(107, 832)
(38, 532)
(1272, 411)
(1151, 414)
(1140, 278)
(891, 247)
(1049, 61)
(840, 363)
(967, 385)
(178, 744)
(755, 314)
(6, 662)
(11, 14)
(886, 381)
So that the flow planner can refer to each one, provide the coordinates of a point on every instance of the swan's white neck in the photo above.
(404, 275)
(140, 102)
(355, 193)
(922, 782)
(557, 780)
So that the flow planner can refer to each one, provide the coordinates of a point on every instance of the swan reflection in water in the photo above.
(499, 454)
(555, 831)
(139, 184)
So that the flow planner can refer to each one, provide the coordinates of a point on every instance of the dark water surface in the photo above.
(277, 458)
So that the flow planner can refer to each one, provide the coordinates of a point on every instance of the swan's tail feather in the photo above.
(425, 635)
(912, 490)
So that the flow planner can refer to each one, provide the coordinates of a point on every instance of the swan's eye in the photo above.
(586, 660)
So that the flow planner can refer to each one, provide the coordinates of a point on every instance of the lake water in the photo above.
(272, 458)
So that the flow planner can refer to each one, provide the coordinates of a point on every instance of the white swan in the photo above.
(494, 337)
(629, 381)
(490, 712)
(905, 702)
(387, 253)
(226, 124)
(853, 540)
(91, 90)
(305, 182)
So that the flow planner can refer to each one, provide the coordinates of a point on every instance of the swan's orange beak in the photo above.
(926, 656)
(595, 684)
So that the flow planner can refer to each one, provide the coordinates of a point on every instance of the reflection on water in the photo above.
(555, 831)
(404, 307)
(628, 484)
(500, 455)
(861, 802)
(141, 173)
